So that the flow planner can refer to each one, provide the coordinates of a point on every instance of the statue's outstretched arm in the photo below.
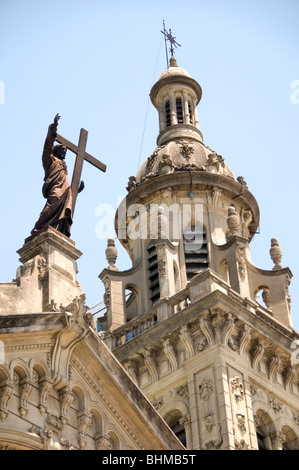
(49, 142)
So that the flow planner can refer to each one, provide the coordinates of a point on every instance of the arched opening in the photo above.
(79, 402)
(262, 296)
(115, 441)
(291, 439)
(97, 422)
(131, 302)
(264, 427)
(260, 439)
(174, 420)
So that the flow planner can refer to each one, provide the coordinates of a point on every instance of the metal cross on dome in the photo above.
(169, 37)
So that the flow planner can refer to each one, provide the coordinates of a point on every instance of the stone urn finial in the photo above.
(111, 253)
(233, 220)
(275, 253)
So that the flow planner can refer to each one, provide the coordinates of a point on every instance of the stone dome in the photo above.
(182, 155)
(180, 143)
(174, 69)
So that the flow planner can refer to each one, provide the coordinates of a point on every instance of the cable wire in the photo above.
(147, 106)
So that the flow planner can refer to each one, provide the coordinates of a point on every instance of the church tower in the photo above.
(204, 333)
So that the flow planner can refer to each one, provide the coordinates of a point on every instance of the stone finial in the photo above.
(111, 253)
(173, 62)
(275, 253)
(241, 180)
(233, 220)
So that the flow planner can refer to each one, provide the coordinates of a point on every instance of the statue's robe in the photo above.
(56, 189)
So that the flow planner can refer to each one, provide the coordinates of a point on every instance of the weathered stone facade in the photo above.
(60, 386)
(219, 363)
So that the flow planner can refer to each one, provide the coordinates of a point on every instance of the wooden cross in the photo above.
(81, 155)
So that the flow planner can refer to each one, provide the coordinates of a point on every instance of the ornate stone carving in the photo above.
(208, 420)
(161, 255)
(200, 342)
(158, 402)
(241, 444)
(276, 407)
(241, 421)
(278, 438)
(273, 364)
(241, 260)
(186, 421)
(103, 442)
(170, 353)
(6, 391)
(186, 338)
(237, 388)
(288, 296)
(7, 447)
(66, 399)
(132, 184)
(214, 444)
(206, 327)
(186, 149)
(51, 434)
(25, 389)
(183, 391)
(84, 420)
(42, 268)
(107, 295)
(215, 162)
(206, 389)
(296, 418)
(53, 422)
(257, 354)
(79, 312)
(241, 180)
(45, 386)
(217, 326)
(165, 164)
(233, 343)
(167, 196)
(149, 360)
(289, 374)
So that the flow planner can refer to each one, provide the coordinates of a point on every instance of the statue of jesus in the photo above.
(56, 189)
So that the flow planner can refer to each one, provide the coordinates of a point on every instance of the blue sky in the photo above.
(94, 63)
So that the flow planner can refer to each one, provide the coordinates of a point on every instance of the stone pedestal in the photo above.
(47, 277)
